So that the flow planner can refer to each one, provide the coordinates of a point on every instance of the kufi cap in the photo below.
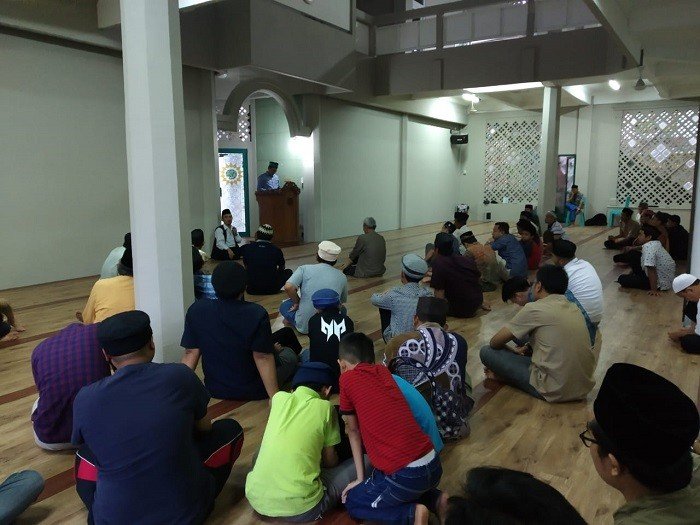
(324, 298)
(228, 280)
(432, 307)
(124, 333)
(266, 229)
(646, 418)
(328, 251)
(414, 266)
(564, 249)
(682, 282)
(314, 372)
(550, 212)
(273, 164)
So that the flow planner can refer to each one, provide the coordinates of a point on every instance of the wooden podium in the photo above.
(280, 209)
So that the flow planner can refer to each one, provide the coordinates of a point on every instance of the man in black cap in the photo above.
(227, 242)
(145, 437)
(640, 441)
(233, 337)
(269, 180)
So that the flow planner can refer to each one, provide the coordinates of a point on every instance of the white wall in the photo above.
(63, 183)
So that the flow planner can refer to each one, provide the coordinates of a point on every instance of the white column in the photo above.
(549, 149)
(695, 231)
(157, 164)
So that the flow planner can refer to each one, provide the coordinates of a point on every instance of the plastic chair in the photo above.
(614, 212)
(581, 215)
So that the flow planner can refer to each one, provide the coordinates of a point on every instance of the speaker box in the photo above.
(459, 139)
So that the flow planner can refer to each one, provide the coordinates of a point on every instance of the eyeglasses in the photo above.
(587, 440)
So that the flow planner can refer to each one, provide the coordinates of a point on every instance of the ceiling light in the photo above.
(471, 98)
(506, 87)
(614, 84)
(640, 85)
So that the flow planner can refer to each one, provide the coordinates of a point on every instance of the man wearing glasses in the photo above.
(640, 442)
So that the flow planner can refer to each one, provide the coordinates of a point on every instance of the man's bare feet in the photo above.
(422, 516)
(12, 336)
(20, 328)
(442, 506)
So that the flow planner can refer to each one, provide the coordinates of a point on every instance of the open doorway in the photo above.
(233, 186)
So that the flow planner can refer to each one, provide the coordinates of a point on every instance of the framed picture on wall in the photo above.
(566, 177)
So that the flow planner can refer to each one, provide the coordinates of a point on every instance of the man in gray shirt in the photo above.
(368, 256)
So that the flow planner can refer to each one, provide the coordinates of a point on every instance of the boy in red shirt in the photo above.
(403, 486)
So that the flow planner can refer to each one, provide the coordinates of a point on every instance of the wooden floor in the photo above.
(509, 428)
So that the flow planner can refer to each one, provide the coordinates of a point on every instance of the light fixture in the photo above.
(614, 84)
(640, 85)
(469, 97)
(506, 87)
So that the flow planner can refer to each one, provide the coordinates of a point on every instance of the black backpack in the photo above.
(222, 255)
(597, 220)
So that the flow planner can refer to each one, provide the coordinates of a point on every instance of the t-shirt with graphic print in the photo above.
(325, 330)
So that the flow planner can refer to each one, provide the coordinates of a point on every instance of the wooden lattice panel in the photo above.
(657, 156)
(512, 161)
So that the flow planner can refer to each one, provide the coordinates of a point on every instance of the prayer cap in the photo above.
(682, 282)
(124, 333)
(564, 249)
(414, 266)
(228, 280)
(645, 417)
(328, 251)
(324, 298)
(273, 165)
(313, 372)
(432, 307)
(127, 259)
(225, 212)
(266, 229)
(551, 213)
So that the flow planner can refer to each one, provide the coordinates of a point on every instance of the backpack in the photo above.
(222, 255)
(597, 220)
(450, 405)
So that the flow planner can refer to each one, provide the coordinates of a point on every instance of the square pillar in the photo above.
(549, 149)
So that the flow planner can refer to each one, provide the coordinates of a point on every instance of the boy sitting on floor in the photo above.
(403, 485)
(297, 476)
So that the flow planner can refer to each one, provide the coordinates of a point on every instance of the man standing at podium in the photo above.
(269, 180)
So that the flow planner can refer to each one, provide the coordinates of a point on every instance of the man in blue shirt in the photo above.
(509, 249)
(269, 180)
(145, 437)
(233, 337)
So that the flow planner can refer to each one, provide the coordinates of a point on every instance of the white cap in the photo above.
(328, 251)
(682, 282)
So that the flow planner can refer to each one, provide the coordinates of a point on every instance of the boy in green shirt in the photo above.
(296, 476)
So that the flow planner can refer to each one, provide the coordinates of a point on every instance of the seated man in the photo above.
(557, 363)
(489, 263)
(640, 441)
(641, 208)
(227, 242)
(655, 269)
(197, 236)
(629, 229)
(110, 266)
(202, 280)
(111, 296)
(264, 263)
(444, 354)
(326, 328)
(554, 229)
(461, 218)
(447, 227)
(18, 492)
(574, 204)
(62, 365)
(499, 495)
(677, 237)
(369, 254)
(509, 249)
(584, 282)
(148, 451)
(398, 305)
(234, 340)
(532, 216)
(303, 485)
(687, 287)
(9, 326)
(310, 278)
(407, 470)
(456, 279)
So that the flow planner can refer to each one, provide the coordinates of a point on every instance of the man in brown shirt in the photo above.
(629, 229)
(368, 256)
(557, 363)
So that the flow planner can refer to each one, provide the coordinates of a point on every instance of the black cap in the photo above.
(228, 280)
(564, 249)
(646, 418)
(273, 165)
(225, 212)
(125, 333)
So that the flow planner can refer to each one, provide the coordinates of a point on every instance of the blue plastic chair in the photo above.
(614, 212)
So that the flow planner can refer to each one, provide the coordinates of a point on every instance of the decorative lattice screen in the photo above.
(657, 156)
(244, 127)
(512, 161)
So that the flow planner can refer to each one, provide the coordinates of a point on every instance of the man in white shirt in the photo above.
(460, 222)
(656, 268)
(226, 239)
(109, 267)
(687, 287)
(584, 282)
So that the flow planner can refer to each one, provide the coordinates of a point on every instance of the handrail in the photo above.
(436, 10)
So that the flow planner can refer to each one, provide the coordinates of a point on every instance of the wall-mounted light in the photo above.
(614, 84)
(470, 97)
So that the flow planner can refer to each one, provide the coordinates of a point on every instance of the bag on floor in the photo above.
(597, 220)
